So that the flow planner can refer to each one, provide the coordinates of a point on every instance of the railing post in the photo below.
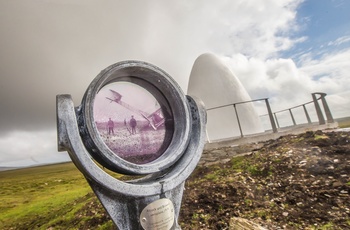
(291, 115)
(321, 120)
(273, 125)
(278, 125)
(239, 123)
(307, 115)
(326, 109)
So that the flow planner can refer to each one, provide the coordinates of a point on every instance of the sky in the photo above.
(280, 49)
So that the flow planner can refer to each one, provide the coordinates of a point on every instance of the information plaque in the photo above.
(158, 215)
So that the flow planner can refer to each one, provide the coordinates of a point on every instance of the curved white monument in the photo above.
(214, 83)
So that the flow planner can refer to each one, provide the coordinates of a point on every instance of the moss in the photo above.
(238, 163)
(211, 176)
(320, 137)
(248, 202)
(327, 226)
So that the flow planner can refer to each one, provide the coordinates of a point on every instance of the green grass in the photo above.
(58, 196)
(40, 196)
(238, 163)
(318, 137)
(328, 226)
(343, 122)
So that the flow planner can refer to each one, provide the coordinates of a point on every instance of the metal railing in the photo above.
(275, 125)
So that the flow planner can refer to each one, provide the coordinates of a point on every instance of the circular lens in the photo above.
(134, 119)
(132, 122)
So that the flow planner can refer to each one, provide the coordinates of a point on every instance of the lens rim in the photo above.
(164, 89)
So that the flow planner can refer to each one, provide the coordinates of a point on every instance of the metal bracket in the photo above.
(125, 201)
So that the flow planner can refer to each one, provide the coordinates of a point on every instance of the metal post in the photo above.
(291, 115)
(273, 125)
(326, 109)
(278, 125)
(239, 123)
(307, 115)
(321, 120)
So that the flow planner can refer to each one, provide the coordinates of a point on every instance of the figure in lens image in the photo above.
(133, 124)
(110, 126)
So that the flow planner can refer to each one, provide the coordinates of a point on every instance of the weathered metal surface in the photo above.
(125, 201)
(159, 84)
(158, 215)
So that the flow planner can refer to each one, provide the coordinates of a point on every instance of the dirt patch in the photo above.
(294, 182)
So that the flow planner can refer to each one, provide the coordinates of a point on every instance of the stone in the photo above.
(237, 223)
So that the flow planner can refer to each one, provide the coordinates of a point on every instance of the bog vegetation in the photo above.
(43, 197)
(295, 182)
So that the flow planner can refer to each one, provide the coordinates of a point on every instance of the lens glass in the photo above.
(136, 124)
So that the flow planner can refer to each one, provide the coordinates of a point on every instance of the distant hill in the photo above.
(4, 168)
(7, 168)
(343, 122)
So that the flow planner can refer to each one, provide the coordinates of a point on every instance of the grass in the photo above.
(318, 137)
(40, 196)
(328, 226)
(238, 163)
(344, 122)
(54, 196)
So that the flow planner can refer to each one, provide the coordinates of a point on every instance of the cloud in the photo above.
(288, 85)
(330, 72)
(339, 41)
(57, 47)
(37, 147)
(53, 47)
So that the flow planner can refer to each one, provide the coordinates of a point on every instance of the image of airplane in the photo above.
(155, 119)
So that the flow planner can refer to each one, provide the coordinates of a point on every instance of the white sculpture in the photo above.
(214, 83)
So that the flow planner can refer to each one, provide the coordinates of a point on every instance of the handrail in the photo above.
(273, 117)
(297, 105)
(237, 103)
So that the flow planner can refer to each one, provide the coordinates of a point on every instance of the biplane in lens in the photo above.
(155, 119)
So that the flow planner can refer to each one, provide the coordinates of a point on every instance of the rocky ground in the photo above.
(294, 182)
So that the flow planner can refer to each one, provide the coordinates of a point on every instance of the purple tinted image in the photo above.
(132, 122)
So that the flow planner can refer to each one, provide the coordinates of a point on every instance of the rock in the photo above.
(337, 184)
(304, 188)
(237, 223)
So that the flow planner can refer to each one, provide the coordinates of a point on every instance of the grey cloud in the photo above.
(55, 47)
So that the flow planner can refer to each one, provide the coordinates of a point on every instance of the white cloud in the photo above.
(21, 148)
(339, 41)
(288, 85)
(274, 78)
(53, 47)
(330, 72)
(170, 34)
